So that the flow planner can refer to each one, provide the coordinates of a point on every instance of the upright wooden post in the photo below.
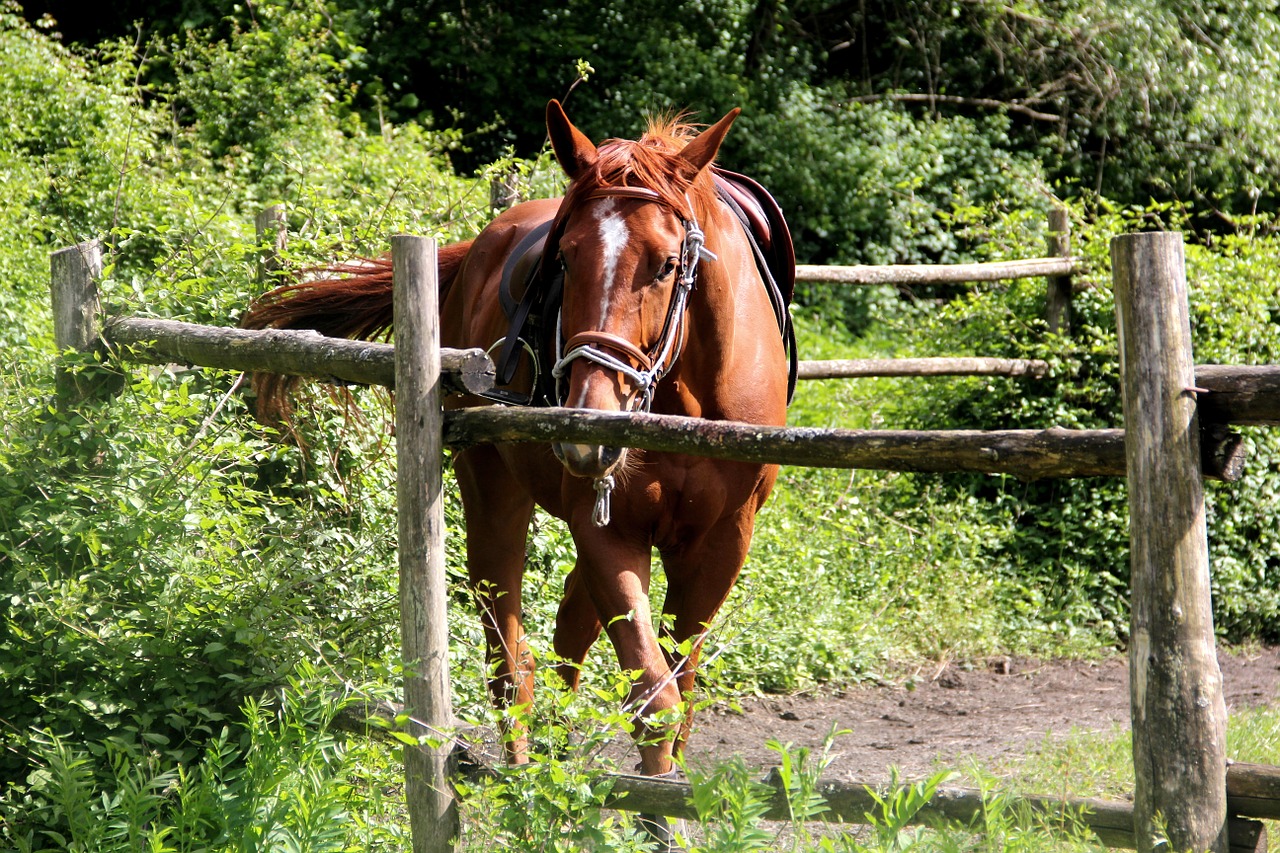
(77, 312)
(273, 233)
(1058, 298)
(504, 190)
(1179, 716)
(433, 814)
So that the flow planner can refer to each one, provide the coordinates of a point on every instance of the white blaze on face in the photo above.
(613, 239)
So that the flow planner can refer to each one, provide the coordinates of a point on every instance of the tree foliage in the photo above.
(1132, 100)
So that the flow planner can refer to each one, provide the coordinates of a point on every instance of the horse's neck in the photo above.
(733, 356)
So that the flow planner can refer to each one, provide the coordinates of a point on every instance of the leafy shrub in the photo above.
(275, 778)
(162, 559)
(1070, 538)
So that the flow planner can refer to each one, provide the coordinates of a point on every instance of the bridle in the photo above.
(617, 353)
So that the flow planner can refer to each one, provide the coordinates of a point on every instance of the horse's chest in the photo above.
(688, 495)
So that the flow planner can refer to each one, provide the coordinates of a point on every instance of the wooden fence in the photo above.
(1178, 716)
(1058, 268)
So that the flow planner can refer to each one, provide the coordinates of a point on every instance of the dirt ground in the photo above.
(1003, 710)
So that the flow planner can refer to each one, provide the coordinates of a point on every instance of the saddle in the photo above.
(531, 318)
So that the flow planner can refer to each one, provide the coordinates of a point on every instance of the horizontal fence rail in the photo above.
(297, 353)
(908, 274)
(865, 367)
(1253, 791)
(1240, 395)
(1028, 454)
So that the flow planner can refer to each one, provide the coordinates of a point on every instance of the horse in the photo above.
(641, 289)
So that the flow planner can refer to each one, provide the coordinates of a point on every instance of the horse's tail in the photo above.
(354, 300)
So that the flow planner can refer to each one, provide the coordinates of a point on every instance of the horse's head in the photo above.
(630, 244)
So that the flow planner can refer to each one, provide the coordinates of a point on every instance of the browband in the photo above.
(640, 194)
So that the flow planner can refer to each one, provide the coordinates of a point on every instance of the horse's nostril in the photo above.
(588, 460)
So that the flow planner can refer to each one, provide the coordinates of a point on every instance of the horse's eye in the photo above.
(667, 269)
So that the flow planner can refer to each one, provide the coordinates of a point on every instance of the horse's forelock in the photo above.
(649, 162)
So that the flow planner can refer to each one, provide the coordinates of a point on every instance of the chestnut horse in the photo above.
(663, 307)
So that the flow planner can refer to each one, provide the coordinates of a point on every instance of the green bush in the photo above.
(1069, 539)
(163, 560)
(276, 778)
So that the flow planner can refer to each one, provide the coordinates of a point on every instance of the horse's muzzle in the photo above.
(589, 460)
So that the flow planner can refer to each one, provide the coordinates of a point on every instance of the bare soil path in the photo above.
(1003, 710)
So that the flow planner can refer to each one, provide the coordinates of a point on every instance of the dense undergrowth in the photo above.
(187, 599)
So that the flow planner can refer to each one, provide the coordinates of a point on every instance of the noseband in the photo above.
(605, 348)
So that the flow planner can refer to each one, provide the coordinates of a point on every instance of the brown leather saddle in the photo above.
(531, 317)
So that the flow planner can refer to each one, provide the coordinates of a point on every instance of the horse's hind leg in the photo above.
(498, 512)
(577, 628)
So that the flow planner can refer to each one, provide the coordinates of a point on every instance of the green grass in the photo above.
(1080, 763)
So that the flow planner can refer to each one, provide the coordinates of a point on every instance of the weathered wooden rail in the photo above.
(856, 367)
(1182, 773)
(923, 274)
(1028, 454)
(1253, 792)
(1057, 268)
(286, 351)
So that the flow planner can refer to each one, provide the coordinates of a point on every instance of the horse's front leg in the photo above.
(613, 570)
(498, 512)
(577, 628)
(699, 579)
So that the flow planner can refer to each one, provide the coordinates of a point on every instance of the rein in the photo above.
(604, 348)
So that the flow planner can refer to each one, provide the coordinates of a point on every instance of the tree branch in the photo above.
(988, 103)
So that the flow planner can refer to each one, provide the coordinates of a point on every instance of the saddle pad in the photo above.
(765, 222)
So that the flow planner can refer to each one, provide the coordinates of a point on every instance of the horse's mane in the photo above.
(648, 162)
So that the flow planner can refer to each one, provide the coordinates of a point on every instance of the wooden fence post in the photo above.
(1179, 715)
(1058, 298)
(504, 190)
(273, 233)
(77, 313)
(433, 813)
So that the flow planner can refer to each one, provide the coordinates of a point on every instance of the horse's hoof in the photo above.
(662, 839)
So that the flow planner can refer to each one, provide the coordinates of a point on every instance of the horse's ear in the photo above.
(575, 152)
(702, 149)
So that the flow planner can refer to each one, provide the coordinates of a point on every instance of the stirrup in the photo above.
(600, 515)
